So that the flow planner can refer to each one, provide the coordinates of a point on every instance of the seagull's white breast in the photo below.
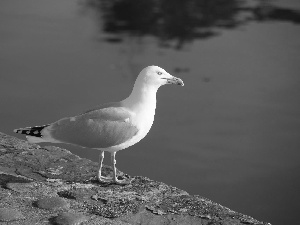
(142, 118)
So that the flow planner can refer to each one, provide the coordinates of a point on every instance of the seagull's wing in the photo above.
(104, 127)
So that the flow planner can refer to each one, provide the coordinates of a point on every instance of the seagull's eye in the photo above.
(159, 73)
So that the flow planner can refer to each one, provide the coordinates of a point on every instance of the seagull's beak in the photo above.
(173, 80)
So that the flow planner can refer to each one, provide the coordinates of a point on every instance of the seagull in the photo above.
(111, 127)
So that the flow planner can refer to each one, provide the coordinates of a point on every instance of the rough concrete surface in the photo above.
(50, 185)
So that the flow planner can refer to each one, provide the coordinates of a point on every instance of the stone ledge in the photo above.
(50, 185)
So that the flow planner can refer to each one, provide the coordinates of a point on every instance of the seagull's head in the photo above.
(156, 76)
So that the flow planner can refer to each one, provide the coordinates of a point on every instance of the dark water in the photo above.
(231, 134)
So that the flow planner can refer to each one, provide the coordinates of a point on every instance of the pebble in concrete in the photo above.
(69, 218)
(7, 215)
(51, 203)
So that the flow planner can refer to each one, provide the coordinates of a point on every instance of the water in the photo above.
(231, 134)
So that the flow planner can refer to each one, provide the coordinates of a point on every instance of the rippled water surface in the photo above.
(231, 134)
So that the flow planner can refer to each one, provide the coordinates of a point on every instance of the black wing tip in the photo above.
(17, 131)
(31, 131)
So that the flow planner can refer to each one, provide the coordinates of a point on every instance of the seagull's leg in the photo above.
(115, 179)
(100, 178)
(113, 161)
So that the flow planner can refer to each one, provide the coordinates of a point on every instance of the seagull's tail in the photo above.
(33, 134)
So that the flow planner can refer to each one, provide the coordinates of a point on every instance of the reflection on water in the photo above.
(182, 20)
(231, 134)
(168, 20)
(265, 11)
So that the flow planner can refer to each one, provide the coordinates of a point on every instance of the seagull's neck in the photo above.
(142, 97)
